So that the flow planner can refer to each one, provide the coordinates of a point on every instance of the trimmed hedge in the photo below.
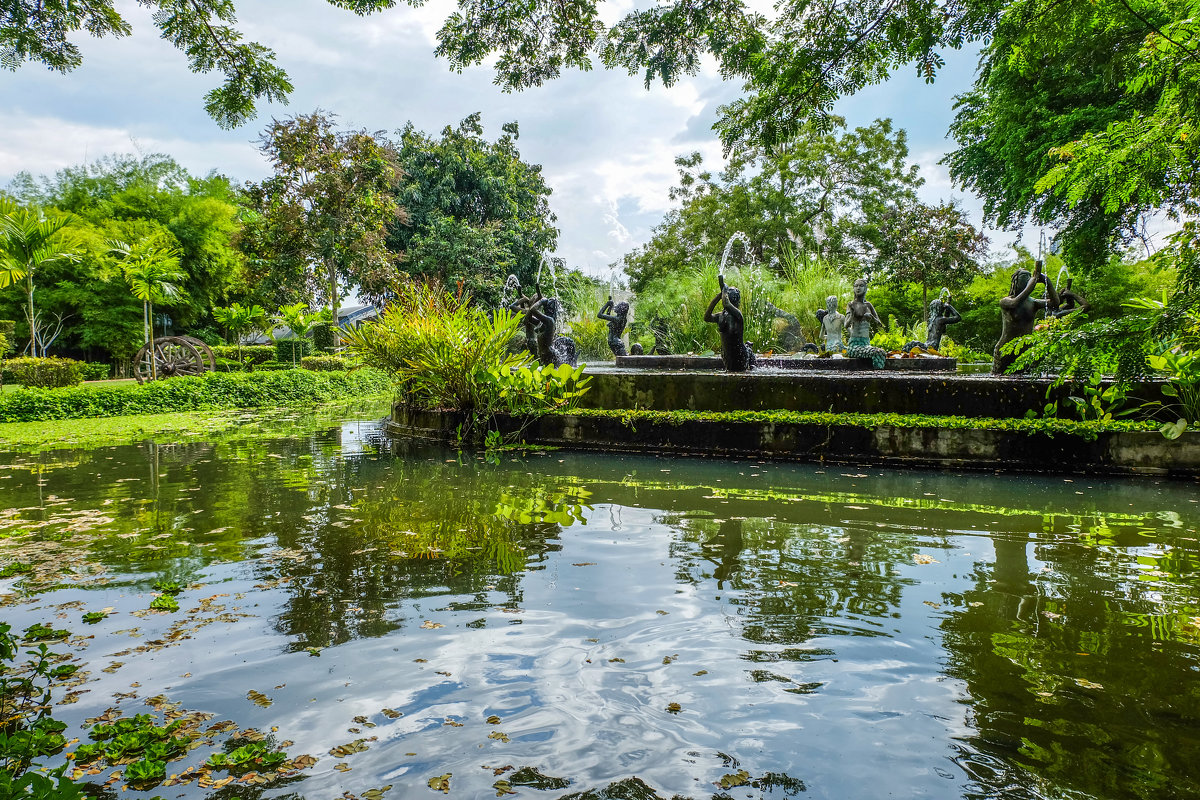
(44, 372)
(209, 391)
(257, 353)
(325, 363)
(292, 350)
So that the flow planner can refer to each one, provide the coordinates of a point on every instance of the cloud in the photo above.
(607, 145)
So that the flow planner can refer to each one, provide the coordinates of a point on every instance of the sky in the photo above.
(606, 144)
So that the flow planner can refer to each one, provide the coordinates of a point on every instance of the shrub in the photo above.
(325, 363)
(45, 372)
(208, 391)
(256, 353)
(445, 353)
(7, 326)
(96, 371)
(322, 337)
(292, 350)
(591, 339)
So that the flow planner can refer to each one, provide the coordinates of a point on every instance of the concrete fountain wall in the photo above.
(939, 394)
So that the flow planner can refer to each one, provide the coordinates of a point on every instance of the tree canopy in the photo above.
(323, 215)
(827, 191)
(475, 211)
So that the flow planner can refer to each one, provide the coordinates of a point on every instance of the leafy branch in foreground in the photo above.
(41, 32)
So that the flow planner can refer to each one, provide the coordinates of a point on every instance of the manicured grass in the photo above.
(293, 387)
(179, 426)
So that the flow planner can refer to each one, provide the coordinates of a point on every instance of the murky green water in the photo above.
(639, 627)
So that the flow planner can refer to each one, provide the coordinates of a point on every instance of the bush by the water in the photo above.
(212, 390)
(44, 372)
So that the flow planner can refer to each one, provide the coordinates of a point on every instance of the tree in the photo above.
(29, 241)
(42, 32)
(931, 246)
(152, 272)
(324, 215)
(475, 211)
(1035, 94)
(240, 320)
(130, 198)
(825, 191)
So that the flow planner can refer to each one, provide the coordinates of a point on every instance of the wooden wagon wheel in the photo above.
(206, 353)
(171, 356)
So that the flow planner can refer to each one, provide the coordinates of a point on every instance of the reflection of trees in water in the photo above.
(794, 580)
(423, 529)
(1072, 683)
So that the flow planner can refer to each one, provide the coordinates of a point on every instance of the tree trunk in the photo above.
(145, 323)
(333, 301)
(153, 357)
(32, 323)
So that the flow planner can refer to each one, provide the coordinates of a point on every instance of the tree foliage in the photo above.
(323, 216)
(826, 191)
(132, 199)
(931, 246)
(46, 33)
(476, 212)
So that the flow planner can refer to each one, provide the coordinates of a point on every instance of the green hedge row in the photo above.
(324, 363)
(257, 353)
(1088, 429)
(212, 390)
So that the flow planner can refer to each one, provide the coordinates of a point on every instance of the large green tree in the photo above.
(318, 225)
(476, 212)
(46, 33)
(932, 246)
(131, 198)
(826, 191)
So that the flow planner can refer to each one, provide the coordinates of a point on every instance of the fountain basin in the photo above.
(709, 363)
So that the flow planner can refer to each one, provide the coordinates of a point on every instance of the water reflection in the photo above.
(640, 628)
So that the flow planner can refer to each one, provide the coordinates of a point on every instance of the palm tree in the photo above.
(240, 320)
(29, 240)
(152, 272)
(299, 320)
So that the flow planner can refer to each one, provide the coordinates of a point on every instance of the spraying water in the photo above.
(513, 286)
(738, 236)
(553, 277)
(1058, 280)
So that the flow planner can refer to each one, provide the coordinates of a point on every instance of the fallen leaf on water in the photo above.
(921, 558)
(499, 736)
(391, 713)
(441, 783)
(739, 778)
(493, 720)
(430, 624)
(342, 766)
(259, 698)
(502, 788)
(674, 708)
(701, 672)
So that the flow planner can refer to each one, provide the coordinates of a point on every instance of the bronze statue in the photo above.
(521, 306)
(831, 324)
(735, 353)
(860, 315)
(941, 315)
(616, 325)
(551, 349)
(635, 349)
(1068, 302)
(1018, 311)
(791, 336)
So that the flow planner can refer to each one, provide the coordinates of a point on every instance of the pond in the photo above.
(426, 623)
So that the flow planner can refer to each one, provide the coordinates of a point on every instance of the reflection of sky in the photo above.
(607, 145)
(822, 644)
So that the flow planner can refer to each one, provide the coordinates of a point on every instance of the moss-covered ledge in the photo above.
(1034, 445)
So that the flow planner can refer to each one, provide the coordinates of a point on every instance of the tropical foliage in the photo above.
(446, 353)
